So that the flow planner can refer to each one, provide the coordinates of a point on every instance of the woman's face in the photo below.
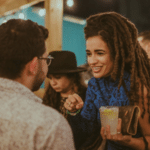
(99, 57)
(60, 83)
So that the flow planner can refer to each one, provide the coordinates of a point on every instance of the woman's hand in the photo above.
(73, 103)
(122, 139)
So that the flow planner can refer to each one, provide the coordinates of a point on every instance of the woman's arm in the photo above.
(88, 115)
(144, 122)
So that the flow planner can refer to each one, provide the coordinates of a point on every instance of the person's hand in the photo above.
(122, 139)
(73, 103)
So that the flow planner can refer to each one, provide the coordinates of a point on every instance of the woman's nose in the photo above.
(92, 60)
(53, 82)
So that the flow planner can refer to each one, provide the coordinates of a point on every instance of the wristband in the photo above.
(73, 113)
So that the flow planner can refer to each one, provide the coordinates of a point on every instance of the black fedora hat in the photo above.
(64, 62)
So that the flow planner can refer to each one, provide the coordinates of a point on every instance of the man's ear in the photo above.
(148, 46)
(33, 66)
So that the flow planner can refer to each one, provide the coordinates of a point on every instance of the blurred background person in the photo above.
(144, 40)
(86, 75)
(64, 80)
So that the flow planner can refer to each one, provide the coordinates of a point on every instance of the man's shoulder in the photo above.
(37, 111)
(27, 109)
(26, 119)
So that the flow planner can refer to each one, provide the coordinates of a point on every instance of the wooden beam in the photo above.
(9, 6)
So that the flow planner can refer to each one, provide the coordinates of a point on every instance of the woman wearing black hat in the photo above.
(65, 79)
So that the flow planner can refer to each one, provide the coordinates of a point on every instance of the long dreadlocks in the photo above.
(121, 37)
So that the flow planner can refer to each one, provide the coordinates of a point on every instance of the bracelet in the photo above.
(73, 113)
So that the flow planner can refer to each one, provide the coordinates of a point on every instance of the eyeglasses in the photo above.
(48, 59)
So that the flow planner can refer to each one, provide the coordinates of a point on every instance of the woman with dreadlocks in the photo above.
(121, 73)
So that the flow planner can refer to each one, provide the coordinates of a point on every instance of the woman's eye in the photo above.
(57, 77)
(100, 53)
(88, 54)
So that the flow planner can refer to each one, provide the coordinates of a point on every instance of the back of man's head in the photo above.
(20, 42)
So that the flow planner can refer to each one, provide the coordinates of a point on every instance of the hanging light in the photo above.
(42, 12)
(21, 16)
(4, 20)
(70, 3)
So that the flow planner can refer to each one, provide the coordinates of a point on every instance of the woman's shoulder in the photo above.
(92, 84)
(95, 85)
(94, 81)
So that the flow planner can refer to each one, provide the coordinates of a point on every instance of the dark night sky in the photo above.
(138, 11)
(85, 8)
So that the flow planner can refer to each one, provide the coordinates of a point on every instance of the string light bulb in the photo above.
(70, 3)
(21, 16)
(4, 21)
(42, 12)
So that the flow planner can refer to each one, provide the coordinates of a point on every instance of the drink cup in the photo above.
(109, 116)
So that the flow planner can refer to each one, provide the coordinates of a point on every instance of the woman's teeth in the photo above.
(96, 68)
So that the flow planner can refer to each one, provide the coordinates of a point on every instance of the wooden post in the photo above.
(53, 22)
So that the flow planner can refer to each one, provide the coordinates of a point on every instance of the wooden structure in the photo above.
(53, 21)
(10, 6)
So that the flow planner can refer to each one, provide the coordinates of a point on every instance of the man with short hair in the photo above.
(25, 123)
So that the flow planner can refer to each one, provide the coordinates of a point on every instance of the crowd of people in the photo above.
(67, 117)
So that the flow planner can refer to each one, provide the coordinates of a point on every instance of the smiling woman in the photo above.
(99, 57)
(121, 77)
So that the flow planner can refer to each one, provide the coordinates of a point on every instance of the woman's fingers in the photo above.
(69, 104)
(119, 134)
(119, 126)
(123, 139)
(108, 135)
(73, 103)
(103, 133)
(79, 101)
